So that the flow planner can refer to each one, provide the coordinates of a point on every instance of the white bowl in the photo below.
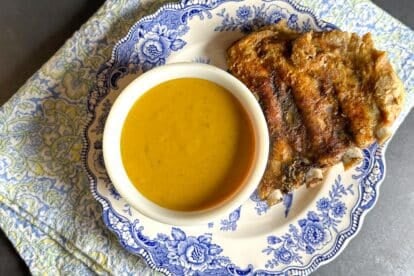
(119, 112)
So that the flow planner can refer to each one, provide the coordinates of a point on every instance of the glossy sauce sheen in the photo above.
(187, 144)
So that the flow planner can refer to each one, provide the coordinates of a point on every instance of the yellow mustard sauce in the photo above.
(187, 144)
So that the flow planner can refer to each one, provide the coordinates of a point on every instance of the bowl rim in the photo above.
(113, 130)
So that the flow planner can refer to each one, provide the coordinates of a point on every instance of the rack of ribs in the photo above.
(325, 96)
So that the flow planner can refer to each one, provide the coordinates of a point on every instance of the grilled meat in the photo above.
(325, 95)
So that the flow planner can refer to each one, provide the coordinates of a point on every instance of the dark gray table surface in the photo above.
(31, 31)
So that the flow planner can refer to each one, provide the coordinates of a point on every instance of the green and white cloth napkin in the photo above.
(46, 207)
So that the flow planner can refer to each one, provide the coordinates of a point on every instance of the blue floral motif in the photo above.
(230, 224)
(248, 19)
(193, 253)
(275, 13)
(261, 206)
(293, 22)
(189, 255)
(323, 204)
(314, 231)
(153, 48)
(172, 20)
(244, 12)
(284, 256)
(273, 240)
(114, 193)
(315, 234)
(179, 253)
(339, 209)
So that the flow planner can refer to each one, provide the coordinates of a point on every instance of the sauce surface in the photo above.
(187, 144)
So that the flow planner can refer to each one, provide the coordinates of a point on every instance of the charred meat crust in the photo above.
(325, 95)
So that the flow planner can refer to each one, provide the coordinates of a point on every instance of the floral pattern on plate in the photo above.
(309, 228)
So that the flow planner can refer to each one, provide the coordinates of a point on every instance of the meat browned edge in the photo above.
(325, 95)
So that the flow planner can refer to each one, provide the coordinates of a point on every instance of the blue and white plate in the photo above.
(308, 229)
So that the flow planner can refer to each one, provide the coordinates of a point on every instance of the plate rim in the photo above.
(318, 259)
